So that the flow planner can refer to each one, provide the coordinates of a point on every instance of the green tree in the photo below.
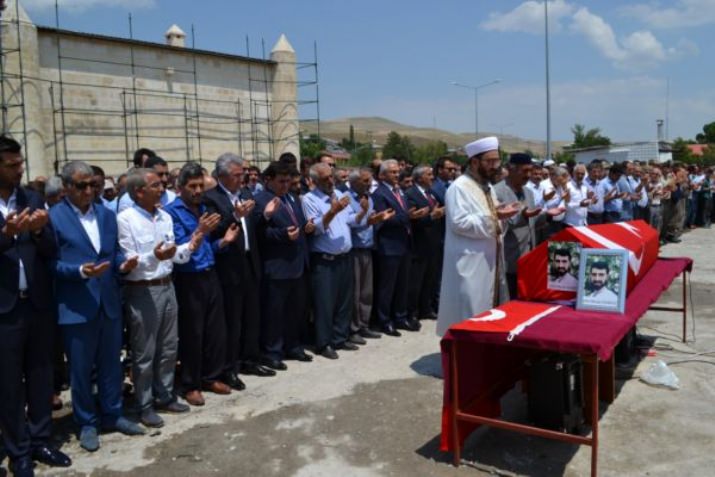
(311, 146)
(681, 152)
(398, 146)
(587, 138)
(429, 152)
(563, 156)
(708, 134)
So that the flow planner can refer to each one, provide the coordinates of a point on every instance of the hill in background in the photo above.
(375, 128)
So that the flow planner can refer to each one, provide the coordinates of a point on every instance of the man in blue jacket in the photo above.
(87, 268)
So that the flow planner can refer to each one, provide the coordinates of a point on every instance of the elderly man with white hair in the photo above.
(473, 274)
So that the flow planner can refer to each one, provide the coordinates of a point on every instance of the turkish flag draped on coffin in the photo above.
(636, 236)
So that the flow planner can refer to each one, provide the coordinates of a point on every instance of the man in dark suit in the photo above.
(427, 240)
(26, 319)
(87, 268)
(283, 247)
(394, 243)
(445, 170)
(238, 268)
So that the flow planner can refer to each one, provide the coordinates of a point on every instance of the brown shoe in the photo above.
(217, 387)
(195, 398)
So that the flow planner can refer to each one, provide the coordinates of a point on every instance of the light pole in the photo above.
(548, 81)
(476, 100)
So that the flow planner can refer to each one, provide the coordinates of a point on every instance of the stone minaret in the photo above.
(23, 35)
(284, 106)
(175, 36)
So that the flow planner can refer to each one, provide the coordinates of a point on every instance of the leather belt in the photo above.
(149, 283)
(330, 257)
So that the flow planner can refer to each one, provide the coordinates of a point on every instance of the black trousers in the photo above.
(392, 282)
(202, 330)
(283, 303)
(422, 283)
(26, 350)
(242, 315)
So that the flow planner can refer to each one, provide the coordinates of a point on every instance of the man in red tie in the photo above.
(394, 243)
(426, 217)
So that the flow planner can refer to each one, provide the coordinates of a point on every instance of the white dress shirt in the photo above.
(236, 199)
(6, 208)
(90, 225)
(576, 213)
(139, 232)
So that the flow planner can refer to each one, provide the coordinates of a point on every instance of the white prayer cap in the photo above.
(549, 162)
(479, 146)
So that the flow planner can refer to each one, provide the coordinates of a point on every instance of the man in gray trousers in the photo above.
(147, 232)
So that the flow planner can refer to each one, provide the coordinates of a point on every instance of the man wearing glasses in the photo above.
(445, 170)
(87, 269)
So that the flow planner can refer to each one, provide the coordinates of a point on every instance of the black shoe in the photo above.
(174, 407)
(299, 356)
(52, 457)
(348, 346)
(22, 467)
(674, 240)
(390, 330)
(256, 369)
(369, 334)
(415, 323)
(407, 324)
(357, 339)
(234, 381)
(328, 352)
(276, 364)
(429, 316)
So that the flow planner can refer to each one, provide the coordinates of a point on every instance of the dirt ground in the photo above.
(376, 412)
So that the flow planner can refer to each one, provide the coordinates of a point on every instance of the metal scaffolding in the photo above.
(176, 116)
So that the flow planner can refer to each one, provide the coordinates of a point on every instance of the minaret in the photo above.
(284, 100)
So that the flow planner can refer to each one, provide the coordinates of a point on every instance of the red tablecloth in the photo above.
(484, 358)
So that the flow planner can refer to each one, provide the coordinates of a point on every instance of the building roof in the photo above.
(698, 149)
(150, 44)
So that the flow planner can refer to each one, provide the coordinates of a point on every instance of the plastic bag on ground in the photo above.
(659, 374)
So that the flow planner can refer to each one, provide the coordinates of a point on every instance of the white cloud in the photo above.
(529, 17)
(637, 50)
(81, 5)
(685, 13)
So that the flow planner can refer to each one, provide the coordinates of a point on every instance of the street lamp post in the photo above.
(476, 99)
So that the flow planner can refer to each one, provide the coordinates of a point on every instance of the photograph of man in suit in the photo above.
(560, 276)
(598, 285)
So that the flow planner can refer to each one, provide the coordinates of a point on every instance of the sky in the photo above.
(617, 66)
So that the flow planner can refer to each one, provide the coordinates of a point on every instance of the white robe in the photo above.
(470, 255)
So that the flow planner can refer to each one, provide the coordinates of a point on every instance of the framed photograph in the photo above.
(563, 263)
(602, 280)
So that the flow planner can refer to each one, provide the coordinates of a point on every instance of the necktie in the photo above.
(396, 193)
(430, 199)
(293, 218)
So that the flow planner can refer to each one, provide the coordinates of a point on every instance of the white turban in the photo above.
(479, 146)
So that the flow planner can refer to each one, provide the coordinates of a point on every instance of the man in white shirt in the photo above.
(600, 294)
(147, 232)
(161, 168)
(579, 198)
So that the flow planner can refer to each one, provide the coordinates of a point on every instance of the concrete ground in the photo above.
(376, 412)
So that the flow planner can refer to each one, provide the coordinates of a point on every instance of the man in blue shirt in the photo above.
(202, 342)
(613, 197)
(331, 270)
(362, 234)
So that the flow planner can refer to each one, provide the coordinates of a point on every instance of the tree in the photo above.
(398, 146)
(311, 146)
(587, 138)
(708, 134)
(681, 151)
(429, 152)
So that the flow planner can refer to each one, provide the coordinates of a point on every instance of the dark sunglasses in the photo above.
(83, 185)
